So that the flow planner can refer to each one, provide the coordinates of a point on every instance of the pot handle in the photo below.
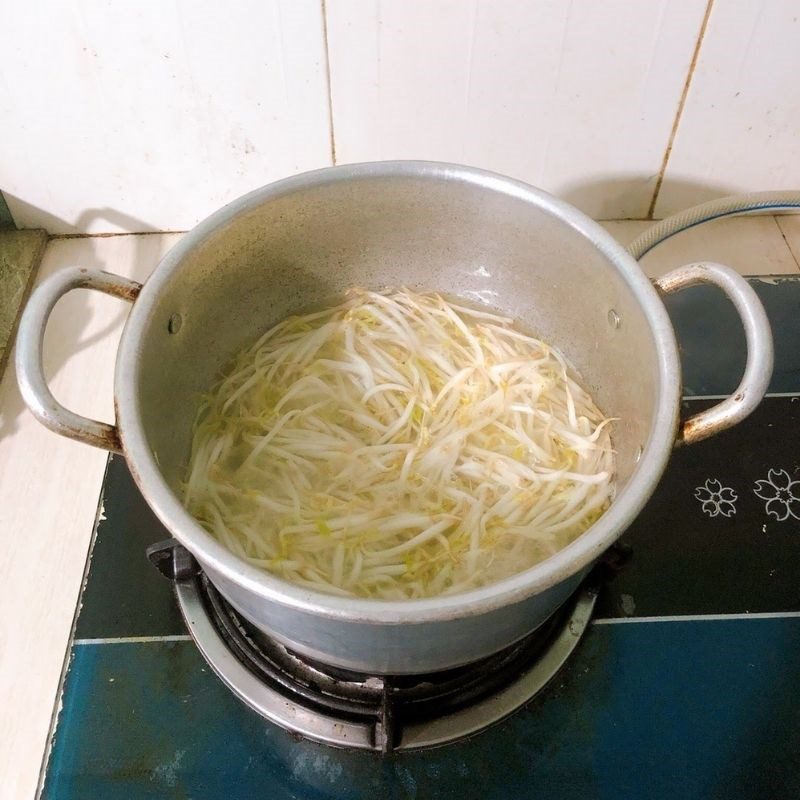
(30, 369)
(758, 370)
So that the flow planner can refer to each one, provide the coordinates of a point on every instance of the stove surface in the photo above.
(382, 713)
(685, 684)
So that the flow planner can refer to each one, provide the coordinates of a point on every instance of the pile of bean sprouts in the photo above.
(398, 446)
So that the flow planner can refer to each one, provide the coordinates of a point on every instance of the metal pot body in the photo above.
(299, 243)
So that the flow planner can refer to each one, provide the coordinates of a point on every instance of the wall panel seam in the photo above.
(679, 111)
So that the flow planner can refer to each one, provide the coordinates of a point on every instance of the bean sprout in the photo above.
(398, 446)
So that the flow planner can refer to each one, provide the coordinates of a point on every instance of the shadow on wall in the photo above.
(72, 315)
(606, 196)
(50, 222)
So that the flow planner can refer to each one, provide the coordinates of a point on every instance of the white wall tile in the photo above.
(739, 128)
(150, 115)
(578, 98)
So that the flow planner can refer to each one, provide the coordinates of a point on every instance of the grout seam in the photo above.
(786, 242)
(679, 112)
(326, 50)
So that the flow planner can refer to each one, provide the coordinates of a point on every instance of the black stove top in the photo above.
(374, 712)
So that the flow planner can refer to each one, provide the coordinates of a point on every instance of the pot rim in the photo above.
(566, 562)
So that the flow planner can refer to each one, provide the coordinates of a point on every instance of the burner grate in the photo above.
(391, 703)
(382, 713)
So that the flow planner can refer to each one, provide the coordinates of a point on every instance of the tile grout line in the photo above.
(786, 242)
(326, 47)
(679, 111)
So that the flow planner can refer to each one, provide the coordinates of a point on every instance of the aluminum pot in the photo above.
(299, 242)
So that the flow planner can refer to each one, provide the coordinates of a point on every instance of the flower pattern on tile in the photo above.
(781, 493)
(716, 499)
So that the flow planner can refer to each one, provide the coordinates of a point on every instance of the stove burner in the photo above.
(349, 709)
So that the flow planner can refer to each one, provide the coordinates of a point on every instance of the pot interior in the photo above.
(300, 243)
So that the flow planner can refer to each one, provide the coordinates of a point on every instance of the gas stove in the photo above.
(674, 675)
(384, 713)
